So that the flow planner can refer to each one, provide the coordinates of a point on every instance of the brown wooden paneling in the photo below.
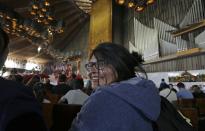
(100, 23)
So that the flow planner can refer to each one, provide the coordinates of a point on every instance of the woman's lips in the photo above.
(94, 78)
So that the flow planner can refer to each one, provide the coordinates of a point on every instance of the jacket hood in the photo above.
(139, 93)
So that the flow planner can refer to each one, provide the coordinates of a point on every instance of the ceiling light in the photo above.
(139, 5)
(35, 7)
(41, 15)
(149, 2)
(139, 8)
(47, 3)
(44, 9)
(131, 4)
(39, 49)
(120, 2)
(33, 13)
(50, 18)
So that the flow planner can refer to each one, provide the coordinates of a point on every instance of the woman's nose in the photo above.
(92, 72)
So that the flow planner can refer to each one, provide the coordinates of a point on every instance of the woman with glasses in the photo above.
(122, 101)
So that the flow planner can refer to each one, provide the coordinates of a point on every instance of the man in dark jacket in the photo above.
(19, 110)
(62, 88)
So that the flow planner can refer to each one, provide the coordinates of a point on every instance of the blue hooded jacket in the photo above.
(126, 106)
(15, 100)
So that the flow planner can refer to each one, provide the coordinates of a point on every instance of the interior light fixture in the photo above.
(120, 2)
(138, 5)
(149, 2)
(34, 6)
(39, 49)
(47, 3)
(139, 8)
(131, 4)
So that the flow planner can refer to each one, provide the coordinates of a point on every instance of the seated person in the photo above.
(19, 110)
(162, 84)
(62, 88)
(76, 96)
(183, 93)
(168, 93)
(197, 92)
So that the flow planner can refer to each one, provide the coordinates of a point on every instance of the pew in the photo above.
(53, 98)
(63, 116)
(47, 110)
(200, 104)
(192, 114)
(186, 103)
(59, 117)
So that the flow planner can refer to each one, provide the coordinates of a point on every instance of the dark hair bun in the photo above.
(138, 57)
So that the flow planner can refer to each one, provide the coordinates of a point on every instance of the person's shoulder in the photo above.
(179, 92)
(98, 96)
(71, 92)
(135, 84)
(10, 84)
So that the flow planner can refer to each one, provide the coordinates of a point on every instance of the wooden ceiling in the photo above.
(67, 10)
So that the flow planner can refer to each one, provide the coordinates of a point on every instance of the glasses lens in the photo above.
(97, 65)
(89, 65)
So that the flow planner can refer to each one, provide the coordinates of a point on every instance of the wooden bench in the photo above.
(63, 116)
(200, 104)
(186, 103)
(59, 117)
(53, 98)
(47, 110)
(192, 114)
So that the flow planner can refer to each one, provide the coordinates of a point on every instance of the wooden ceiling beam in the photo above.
(65, 13)
(72, 32)
(84, 1)
(22, 9)
(15, 4)
(73, 18)
(62, 9)
(69, 25)
(83, 4)
(71, 36)
(20, 50)
(36, 56)
(60, 3)
(56, 2)
(68, 16)
(16, 40)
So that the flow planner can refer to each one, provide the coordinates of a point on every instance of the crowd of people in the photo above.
(180, 92)
(57, 83)
(120, 100)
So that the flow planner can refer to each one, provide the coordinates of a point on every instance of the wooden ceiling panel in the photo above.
(15, 3)
(65, 10)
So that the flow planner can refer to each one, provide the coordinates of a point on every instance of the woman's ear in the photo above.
(115, 73)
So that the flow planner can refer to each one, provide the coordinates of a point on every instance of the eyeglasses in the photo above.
(97, 65)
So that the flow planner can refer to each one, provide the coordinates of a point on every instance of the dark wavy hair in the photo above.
(180, 85)
(124, 63)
